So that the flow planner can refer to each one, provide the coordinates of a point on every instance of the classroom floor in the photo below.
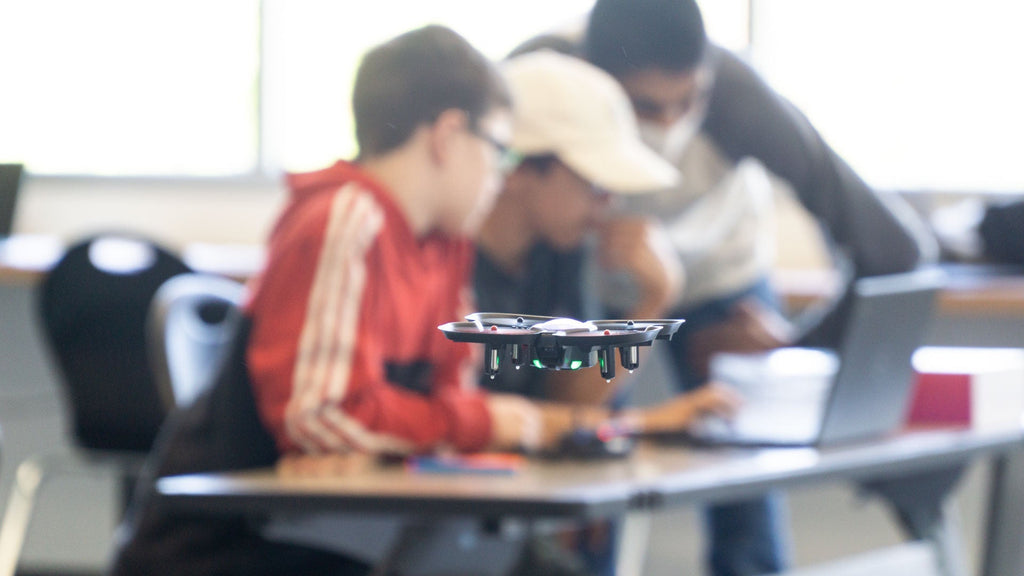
(827, 523)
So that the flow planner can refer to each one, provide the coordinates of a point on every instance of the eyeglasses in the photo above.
(499, 146)
(508, 159)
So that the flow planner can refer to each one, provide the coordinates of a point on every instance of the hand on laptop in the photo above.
(521, 424)
(681, 412)
(750, 327)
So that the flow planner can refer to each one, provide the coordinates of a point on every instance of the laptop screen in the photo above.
(10, 182)
(889, 321)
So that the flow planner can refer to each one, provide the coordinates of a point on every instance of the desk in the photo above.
(972, 289)
(24, 259)
(983, 290)
(913, 471)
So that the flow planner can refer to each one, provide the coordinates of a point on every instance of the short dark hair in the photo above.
(553, 42)
(623, 36)
(410, 80)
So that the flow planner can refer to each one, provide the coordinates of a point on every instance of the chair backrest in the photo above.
(93, 306)
(191, 326)
(10, 183)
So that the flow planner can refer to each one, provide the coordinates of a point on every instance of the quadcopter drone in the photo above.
(558, 343)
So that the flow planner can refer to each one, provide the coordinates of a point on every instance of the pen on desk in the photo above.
(487, 463)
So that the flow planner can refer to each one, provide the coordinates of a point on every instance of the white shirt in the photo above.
(720, 219)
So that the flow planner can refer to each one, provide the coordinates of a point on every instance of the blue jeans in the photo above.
(746, 537)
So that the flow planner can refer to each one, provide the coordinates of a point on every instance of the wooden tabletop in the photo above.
(978, 290)
(24, 259)
(972, 289)
(654, 475)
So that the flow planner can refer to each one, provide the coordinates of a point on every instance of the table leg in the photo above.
(632, 544)
(1004, 533)
(919, 502)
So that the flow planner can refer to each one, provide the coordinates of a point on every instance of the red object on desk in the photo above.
(968, 386)
(944, 398)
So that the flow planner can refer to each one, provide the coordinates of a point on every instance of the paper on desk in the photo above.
(784, 392)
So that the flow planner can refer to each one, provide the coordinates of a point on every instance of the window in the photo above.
(114, 87)
(313, 48)
(914, 94)
(210, 88)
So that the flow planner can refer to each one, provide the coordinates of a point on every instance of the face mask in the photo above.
(670, 142)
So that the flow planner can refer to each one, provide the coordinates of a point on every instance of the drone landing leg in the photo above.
(630, 356)
(606, 359)
(492, 354)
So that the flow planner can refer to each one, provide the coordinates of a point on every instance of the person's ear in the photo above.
(444, 134)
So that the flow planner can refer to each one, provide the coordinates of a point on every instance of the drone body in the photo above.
(558, 343)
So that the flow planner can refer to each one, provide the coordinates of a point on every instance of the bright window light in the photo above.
(121, 87)
(314, 47)
(914, 94)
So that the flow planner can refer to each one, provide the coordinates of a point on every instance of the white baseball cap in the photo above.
(568, 107)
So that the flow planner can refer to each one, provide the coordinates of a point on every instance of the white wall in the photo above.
(178, 212)
(175, 212)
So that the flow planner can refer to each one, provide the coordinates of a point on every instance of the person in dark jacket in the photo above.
(735, 140)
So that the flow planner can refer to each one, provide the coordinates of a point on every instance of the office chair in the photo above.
(190, 329)
(10, 183)
(196, 325)
(93, 307)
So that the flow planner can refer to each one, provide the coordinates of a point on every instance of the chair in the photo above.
(10, 183)
(191, 326)
(93, 307)
(198, 343)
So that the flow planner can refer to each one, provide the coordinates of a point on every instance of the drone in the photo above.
(551, 343)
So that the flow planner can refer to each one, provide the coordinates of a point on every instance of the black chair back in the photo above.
(10, 183)
(93, 305)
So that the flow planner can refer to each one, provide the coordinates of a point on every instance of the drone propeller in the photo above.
(494, 339)
(472, 332)
(606, 337)
(668, 326)
(501, 320)
(627, 336)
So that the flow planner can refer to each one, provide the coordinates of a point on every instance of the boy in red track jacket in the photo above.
(369, 257)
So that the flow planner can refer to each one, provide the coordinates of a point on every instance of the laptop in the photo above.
(10, 182)
(814, 397)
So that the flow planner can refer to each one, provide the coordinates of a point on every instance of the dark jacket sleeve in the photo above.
(878, 234)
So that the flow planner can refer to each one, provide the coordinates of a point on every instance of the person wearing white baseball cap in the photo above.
(580, 114)
(576, 140)
(577, 146)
